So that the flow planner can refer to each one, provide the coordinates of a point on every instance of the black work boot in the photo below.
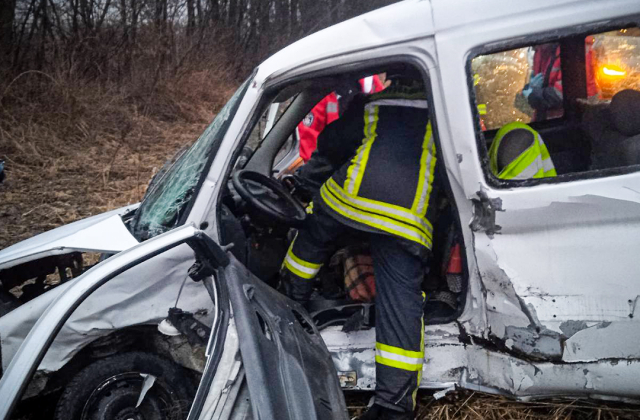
(294, 288)
(378, 412)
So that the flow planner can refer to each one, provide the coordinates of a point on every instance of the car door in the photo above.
(288, 368)
(557, 257)
(290, 373)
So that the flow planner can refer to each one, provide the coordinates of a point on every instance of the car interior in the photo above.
(591, 132)
(261, 210)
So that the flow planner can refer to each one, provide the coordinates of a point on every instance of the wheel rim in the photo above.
(116, 399)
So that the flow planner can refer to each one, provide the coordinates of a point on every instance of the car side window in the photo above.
(564, 107)
(523, 84)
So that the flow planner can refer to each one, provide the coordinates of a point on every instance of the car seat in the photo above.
(513, 145)
(518, 138)
(614, 131)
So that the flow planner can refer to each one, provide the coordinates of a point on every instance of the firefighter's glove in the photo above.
(299, 188)
(536, 81)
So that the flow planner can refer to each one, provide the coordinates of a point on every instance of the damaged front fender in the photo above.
(105, 233)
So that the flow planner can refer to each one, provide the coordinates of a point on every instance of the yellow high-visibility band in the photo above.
(427, 170)
(378, 207)
(399, 365)
(298, 266)
(355, 172)
(400, 351)
(379, 222)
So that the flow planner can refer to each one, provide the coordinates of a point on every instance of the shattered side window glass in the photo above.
(502, 81)
(617, 61)
(167, 198)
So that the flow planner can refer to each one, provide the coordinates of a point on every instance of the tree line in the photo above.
(115, 40)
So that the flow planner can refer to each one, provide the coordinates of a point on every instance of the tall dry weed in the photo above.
(76, 146)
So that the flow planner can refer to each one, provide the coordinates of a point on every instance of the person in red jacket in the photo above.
(325, 112)
(544, 90)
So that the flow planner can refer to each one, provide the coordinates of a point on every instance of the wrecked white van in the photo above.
(545, 303)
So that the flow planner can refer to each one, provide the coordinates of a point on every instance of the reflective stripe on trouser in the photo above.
(309, 250)
(399, 322)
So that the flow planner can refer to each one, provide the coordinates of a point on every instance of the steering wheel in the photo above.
(269, 198)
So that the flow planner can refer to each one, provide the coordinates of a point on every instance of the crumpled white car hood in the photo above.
(101, 233)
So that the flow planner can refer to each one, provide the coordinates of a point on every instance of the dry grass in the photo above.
(75, 149)
(472, 405)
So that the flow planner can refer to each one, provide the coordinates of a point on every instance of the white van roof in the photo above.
(402, 21)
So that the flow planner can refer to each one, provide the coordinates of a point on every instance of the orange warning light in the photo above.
(613, 71)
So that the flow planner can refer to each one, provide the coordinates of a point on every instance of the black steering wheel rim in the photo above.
(239, 182)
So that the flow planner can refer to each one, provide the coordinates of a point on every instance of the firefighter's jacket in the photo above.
(384, 156)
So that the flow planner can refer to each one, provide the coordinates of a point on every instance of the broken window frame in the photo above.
(523, 42)
(181, 203)
(272, 92)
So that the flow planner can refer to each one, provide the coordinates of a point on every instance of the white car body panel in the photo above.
(101, 233)
(139, 296)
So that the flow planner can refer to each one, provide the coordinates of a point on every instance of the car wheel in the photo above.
(129, 386)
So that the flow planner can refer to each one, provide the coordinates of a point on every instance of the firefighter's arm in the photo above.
(337, 143)
(545, 98)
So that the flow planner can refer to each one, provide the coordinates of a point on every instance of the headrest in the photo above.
(625, 112)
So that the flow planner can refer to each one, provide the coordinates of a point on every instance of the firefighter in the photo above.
(385, 153)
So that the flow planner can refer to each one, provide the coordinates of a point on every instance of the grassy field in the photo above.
(75, 151)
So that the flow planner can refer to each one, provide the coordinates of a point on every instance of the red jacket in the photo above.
(547, 100)
(324, 113)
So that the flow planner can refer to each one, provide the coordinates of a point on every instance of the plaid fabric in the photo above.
(359, 279)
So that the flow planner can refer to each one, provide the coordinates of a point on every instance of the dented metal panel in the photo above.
(450, 363)
(102, 233)
(560, 276)
(140, 295)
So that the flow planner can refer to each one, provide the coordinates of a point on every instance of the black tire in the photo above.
(109, 389)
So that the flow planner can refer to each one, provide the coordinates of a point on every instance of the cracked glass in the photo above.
(173, 188)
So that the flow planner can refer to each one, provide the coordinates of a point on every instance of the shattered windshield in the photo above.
(167, 197)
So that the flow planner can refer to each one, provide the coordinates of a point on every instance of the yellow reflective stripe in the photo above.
(407, 103)
(415, 391)
(400, 351)
(379, 222)
(355, 172)
(296, 271)
(303, 263)
(398, 365)
(384, 209)
(482, 109)
(299, 267)
(399, 358)
(425, 183)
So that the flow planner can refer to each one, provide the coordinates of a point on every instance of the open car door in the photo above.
(289, 371)
(288, 368)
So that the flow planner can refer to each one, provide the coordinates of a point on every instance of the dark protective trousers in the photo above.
(399, 305)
